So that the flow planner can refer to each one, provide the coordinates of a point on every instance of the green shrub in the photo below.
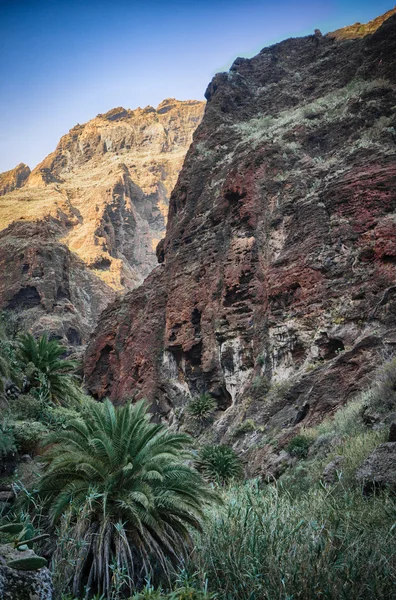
(260, 386)
(381, 397)
(59, 417)
(201, 408)
(299, 445)
(27, 406)
(29, 436)
(245, 427)
(7, 438)
(219, 464)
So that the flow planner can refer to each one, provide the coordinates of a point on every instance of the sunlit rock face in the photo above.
(84, 224)
(278, 269)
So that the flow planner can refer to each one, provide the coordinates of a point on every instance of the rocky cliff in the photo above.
(84, 224)
(276, 291)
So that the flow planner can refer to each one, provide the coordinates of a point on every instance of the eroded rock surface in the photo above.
(22, 585)
(84, 224)
(379, 469)
(279, 261)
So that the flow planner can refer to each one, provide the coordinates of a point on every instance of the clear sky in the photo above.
(64, 61)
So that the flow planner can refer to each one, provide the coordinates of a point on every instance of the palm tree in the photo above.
(46, 369)
(129, 494)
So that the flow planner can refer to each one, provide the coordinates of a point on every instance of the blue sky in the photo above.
(63, 62)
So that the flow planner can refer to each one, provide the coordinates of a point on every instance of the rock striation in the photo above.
(277, 284)
(84, 224)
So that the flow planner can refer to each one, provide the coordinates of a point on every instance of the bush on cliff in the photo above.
(201, 408)
(47, 371)
(219, 464)
(120, 486)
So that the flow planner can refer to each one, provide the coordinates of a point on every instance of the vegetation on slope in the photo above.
(130, 516)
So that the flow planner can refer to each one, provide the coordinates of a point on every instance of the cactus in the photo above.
(31, 563)
(12, 528)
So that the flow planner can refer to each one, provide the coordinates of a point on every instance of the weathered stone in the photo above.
(22, 585)
(83, 226)
(14, 179)
(332, 470)
(276, 465)
(379, 469)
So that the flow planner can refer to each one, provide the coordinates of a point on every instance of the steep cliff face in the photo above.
(89, 217)
(277, 288)
(14, 179)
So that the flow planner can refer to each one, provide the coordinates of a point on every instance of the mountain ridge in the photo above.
(104, 195)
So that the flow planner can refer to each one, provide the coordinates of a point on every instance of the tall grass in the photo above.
(266, 544)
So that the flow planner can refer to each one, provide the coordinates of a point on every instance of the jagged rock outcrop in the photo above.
(378, 470)
(84, 224)
(14, 179)
(279, 262)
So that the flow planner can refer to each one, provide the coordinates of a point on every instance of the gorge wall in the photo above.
(84, 224)
(276, 291)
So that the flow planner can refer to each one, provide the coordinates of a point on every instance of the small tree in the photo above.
(46, 369)
(128, 494)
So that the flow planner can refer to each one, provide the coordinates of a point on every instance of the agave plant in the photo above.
(219, 464)
(201, 408)
(129, 493)
(47, 370)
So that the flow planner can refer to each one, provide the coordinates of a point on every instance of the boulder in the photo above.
(378, 470)
(22, 585)
(331, 470)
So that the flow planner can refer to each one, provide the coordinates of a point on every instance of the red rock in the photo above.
(278, 256)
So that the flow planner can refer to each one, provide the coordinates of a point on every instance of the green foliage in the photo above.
(7, 438)
(181, 592)
(29, 436)
(120, 486)
(27, 406)
(245, 427)
(381, 397)
(47, 370)
(299, 445)
(219, 464)
(260, 386)
(269, 543)
(201, 408)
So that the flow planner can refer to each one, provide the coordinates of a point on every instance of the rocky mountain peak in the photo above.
(104, 194)
(13, 179)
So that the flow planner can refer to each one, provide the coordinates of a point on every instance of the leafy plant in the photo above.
(299, 445)
(7, 438)
(128, 491)
(47, 370)
(220, 464)
(245, 427)
(29, 436)
(201, 408)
